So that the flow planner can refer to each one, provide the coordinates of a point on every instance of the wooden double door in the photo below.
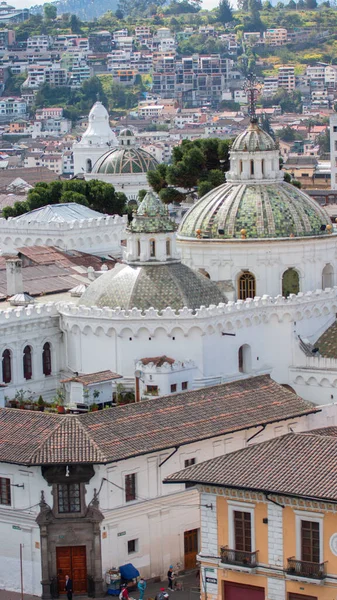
(190, 548)
(72, 561)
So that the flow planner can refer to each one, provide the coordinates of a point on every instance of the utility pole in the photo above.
(21, 570)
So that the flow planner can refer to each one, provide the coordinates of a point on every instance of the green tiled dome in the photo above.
(151, 216)
(127, 160)
(254, 139)
(275, 210)
(157, 286)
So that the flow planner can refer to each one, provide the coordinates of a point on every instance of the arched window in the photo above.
(168, 247)
(247, 287)
(46, 359)
(152, 248)
(290, 282)
(138, 247)
(241, 166)
(27, 363)
(262, 166)
(245, 359)
(89, 165)
(6, 366)
(327, 276)
(252, 167)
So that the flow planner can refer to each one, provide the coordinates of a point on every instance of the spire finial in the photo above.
(97, 96)
(251, 90)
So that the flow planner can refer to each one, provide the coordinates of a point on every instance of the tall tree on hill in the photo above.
(225, 12)
(50, 12)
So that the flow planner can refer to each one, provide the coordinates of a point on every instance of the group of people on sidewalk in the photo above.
(162, 594)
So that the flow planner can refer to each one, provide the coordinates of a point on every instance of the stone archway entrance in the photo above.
(70, 533)
(290, 282)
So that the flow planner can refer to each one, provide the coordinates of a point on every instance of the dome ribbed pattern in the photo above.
(125, 160)
(157, 286)
(254, 139)
(264, 211)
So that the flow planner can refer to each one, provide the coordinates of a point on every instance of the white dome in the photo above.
(98, 132)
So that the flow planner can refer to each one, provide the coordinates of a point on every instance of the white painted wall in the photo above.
(267, 259)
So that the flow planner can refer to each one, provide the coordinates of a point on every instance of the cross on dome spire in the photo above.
(251, 90)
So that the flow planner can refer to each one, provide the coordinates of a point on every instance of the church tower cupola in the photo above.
(151, 235)
(254, 156)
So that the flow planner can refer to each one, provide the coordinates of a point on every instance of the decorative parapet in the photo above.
(32, 311)
(277, 305)
(320, 362)
(314, 304)
(11, 224)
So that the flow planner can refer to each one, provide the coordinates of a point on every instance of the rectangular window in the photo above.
(130, 487)
(69, 498)
(5, 491)
(335, 128)
(310, 541)
(184, 385)
(132, 546)
(242, 531)
(173, 387)
(152, 389)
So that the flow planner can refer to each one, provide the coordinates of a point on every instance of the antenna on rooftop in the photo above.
(251, 90)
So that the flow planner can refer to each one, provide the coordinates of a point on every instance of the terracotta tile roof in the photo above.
(158, 360)
(156, 424)
(297, 464)
(92, 378)
(327, 342)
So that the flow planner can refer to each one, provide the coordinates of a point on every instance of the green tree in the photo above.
(75, 24)
(119, 14)
(311, 4)
(50, 12)
(200, 165)
(225, 12)
(70, 196)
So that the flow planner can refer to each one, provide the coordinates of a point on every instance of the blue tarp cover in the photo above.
(128, 572)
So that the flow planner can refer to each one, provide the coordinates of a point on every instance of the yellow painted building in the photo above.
(269, 519)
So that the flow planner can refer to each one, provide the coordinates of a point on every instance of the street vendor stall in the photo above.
(129, 575)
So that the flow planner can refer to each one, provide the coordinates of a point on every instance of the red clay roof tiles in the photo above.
(156, 424)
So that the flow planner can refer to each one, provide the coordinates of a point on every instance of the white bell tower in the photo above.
(96, 140)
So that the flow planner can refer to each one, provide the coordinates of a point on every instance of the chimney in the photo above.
(14, 275)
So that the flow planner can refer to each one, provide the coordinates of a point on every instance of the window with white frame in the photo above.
(309, 536)
(241, 526)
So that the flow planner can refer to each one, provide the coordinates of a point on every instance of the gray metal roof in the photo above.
(60, 213)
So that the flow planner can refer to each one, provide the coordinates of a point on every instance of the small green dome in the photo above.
(253, 139)
(126, 160)
(152, 216)
(275, 210)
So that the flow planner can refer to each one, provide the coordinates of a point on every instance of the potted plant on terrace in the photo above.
(58, 401)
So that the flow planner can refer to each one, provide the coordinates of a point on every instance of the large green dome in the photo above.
(126, 160)
(266, 210)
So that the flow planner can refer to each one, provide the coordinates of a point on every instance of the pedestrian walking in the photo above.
(142, 587)
(124, 595)
(69, 587)
(170, 578)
